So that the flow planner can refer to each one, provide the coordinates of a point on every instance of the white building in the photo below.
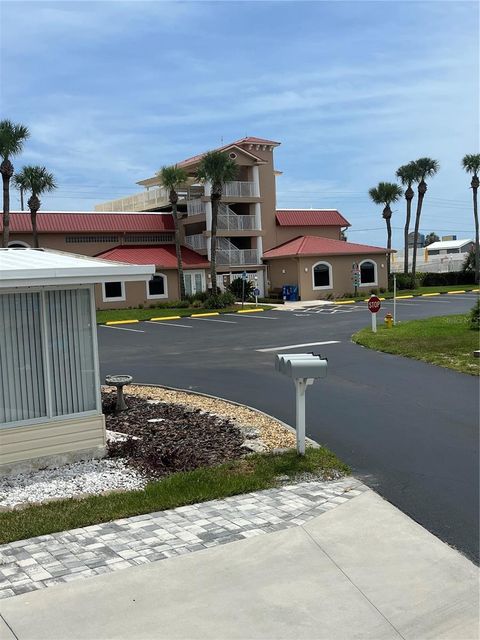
(50, 407)
(438, 257)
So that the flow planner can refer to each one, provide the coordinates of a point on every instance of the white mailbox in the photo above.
(303, 368)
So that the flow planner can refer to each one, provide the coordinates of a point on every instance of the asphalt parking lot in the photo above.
(408, 429)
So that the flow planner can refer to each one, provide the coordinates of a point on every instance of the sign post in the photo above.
(256, 293)
(355, 277)
(374, 305)
(394, 299)
(244, 277)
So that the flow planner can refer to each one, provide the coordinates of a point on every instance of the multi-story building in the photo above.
(251, 236)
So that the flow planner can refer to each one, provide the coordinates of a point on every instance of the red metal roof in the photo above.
(313, 246)
(85, 222)
(310, 218)
(162, 255)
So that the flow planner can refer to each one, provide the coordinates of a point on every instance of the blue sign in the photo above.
(256, 292)
(244, 275)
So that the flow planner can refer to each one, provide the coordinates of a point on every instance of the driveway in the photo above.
(409, 430)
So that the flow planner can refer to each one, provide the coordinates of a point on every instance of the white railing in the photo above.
(137, 202)
(195, 206)
(234, 257)
(240, 189)
(239, 223)
(197, 241)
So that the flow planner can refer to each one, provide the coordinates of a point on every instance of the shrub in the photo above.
(236, 287)
(383, 290)
(196, 304)
(220, 301)
(373, 292)
(475, 317)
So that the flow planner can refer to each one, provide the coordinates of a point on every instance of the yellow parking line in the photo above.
(429, 295)
(121, 321)
(249, 310)
(203, 315)
(403, 297)
(452, 292)
(166, 318)
(344, 302)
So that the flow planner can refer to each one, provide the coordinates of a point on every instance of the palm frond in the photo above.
(216, 167)
(385, 193)
(471, 163)
(12, 137)
(408, 174)
(427, 167)
(172, 177)
(35, 179)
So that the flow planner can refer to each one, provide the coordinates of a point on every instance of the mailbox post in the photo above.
(304, 369)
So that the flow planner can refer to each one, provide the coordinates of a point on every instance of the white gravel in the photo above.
(78, 479)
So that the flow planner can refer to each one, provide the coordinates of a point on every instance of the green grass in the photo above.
(420, 290)
(106, 315)
(446, 341)
(207, 483)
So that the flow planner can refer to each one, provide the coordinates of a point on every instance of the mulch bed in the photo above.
(184, 439)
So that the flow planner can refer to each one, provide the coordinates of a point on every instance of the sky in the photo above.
(111, 91)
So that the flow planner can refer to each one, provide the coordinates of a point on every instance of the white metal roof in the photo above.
(42, 267)
(448, 244)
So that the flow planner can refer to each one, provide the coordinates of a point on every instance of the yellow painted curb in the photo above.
(250, 310)
(345, 302)
(166, 318)
(203, 315)
(474, 290)
(403, 297)
(379, 299)
(453, 292)
(429, 295)
(121, 321)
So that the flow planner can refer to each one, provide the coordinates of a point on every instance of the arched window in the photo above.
(157, 286)
(368, 273)
(322, 275)
(18, 244)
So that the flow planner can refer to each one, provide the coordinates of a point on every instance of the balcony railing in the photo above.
(235, 222)
(195, 206)
(240, 189)
(197, 242)
(235, 257)
(137, 202)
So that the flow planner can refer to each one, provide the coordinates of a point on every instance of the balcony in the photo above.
(138, 202)
(197, 242)
(236, 257)
(195, 206)
(240, 190)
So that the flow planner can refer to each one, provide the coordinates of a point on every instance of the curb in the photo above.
(311, 442)
(191, 315)
(419, 295)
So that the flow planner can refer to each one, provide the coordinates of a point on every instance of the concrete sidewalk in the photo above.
(361, 570)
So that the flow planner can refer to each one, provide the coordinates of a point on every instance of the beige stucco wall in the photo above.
(136, 292)
(341, 274)
(51, 442)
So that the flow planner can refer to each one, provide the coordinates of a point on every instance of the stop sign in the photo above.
(374, 304)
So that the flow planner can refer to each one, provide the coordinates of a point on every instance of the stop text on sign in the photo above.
(374, 304)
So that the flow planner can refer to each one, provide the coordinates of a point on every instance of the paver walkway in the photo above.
(36, 563)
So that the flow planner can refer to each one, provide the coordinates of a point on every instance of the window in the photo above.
(368, 273)
(157, 286)
(453, 250)
(151, 237)
(434, 252)
(322, 275)
(113, 291)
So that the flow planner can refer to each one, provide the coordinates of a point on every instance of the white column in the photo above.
(208, 188)
(258, 215)
(256, 179)
(260, 248)
(208, 212)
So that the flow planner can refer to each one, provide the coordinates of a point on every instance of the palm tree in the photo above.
(426, 169)
(217, 168)
(171, 178)
(37, 180)
(385, 193)
(408, 174)
(12, 137)
(471, 164)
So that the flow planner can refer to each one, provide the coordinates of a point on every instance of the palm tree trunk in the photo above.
(477, 243)
(405, 235)
(415, 237)
(33, 218)
(6, 210)
(213, 247)
(178, 251)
